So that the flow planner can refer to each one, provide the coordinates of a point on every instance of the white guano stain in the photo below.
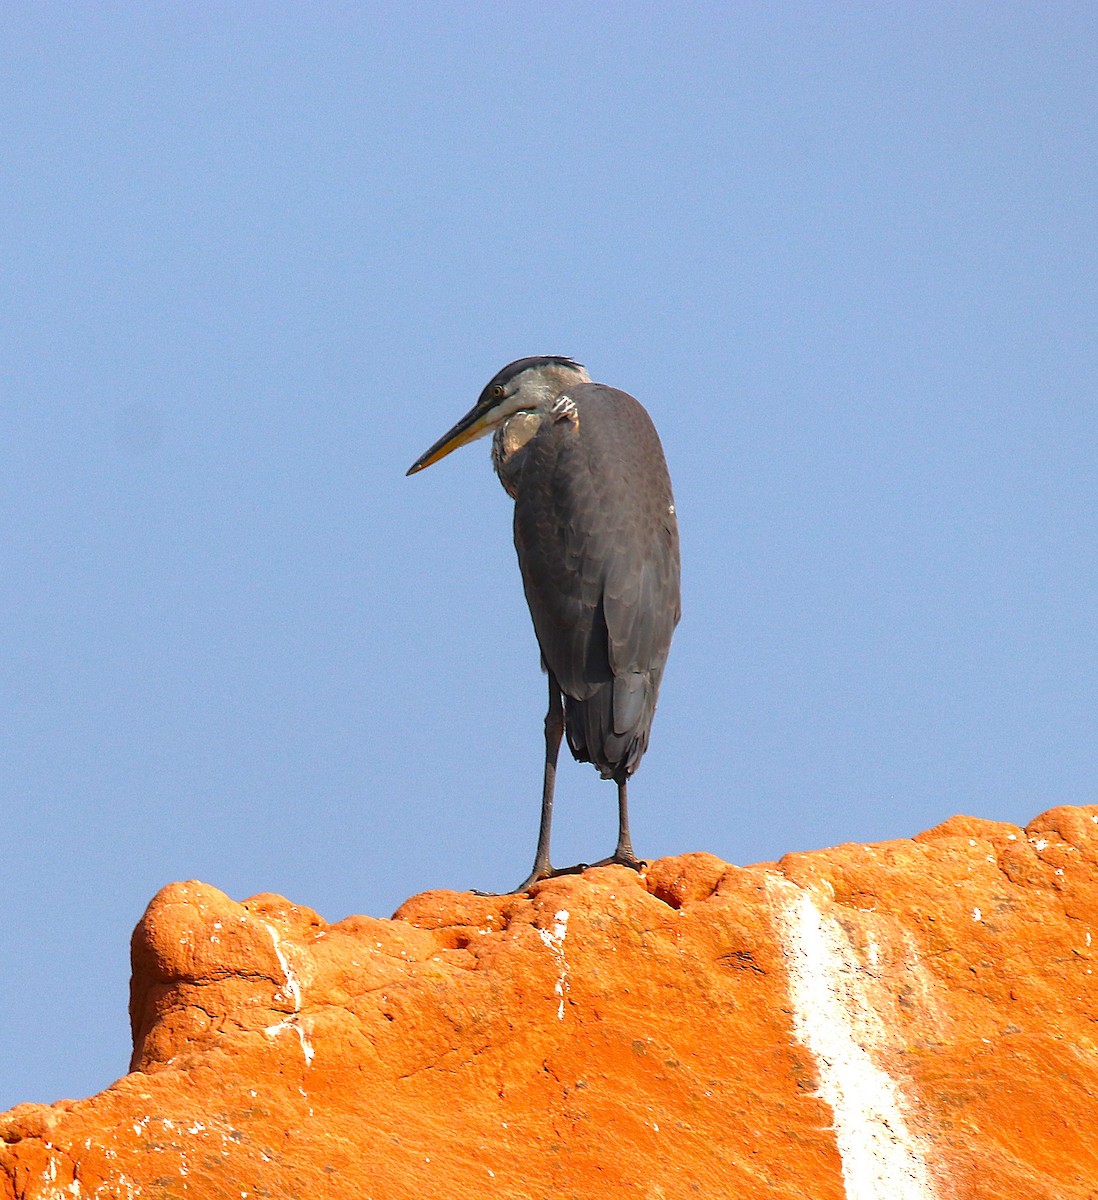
(292, 988)
(554, 940)
(833, 1017)
(119, 1187)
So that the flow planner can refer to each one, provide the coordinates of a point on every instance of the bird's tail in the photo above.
(611, 727)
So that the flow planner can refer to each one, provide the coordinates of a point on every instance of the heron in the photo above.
(598, 549)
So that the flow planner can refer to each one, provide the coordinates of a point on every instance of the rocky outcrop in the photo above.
(910, 1020)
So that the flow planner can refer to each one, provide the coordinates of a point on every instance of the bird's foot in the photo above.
(536, 876)
(622, 858)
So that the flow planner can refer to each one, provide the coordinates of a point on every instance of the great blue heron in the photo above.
(598, 547)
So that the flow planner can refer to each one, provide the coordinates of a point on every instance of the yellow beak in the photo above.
(476, 423)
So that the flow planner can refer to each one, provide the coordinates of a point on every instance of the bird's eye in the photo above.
(497, 391)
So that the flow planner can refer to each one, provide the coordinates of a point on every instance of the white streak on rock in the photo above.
(554, 940)
(835, 1019)
(293, 992)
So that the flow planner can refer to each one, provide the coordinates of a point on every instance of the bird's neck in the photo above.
(509, 438)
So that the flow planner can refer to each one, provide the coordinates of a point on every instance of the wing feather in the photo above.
(597, 544)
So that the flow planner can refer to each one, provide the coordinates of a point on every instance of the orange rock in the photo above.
(910, 1020)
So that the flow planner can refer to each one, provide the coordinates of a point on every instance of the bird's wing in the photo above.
(597, 543)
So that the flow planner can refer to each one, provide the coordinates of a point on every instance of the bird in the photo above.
(597, 539)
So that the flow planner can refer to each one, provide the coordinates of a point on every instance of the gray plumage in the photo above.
(598, 547)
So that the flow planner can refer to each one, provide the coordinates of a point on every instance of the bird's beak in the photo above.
(478, 421)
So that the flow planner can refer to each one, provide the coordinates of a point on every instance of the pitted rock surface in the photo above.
(915, 1020)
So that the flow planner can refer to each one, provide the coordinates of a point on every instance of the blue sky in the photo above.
(257, 260)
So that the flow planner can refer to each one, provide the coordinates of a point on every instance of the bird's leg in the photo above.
(554, 731)
(623, 852)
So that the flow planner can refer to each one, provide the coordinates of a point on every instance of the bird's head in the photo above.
(526, 385)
